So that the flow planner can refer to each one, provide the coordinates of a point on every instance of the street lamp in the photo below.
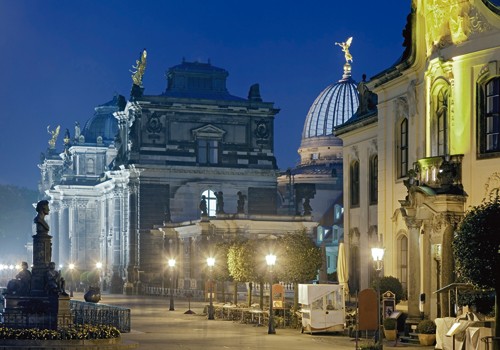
(98, 265)
(378, 256)
(71, 268)
(211, 263)
(271, 261)
(171, 264)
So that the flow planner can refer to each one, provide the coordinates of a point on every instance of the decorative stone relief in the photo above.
(442, 220)
(354, 236)
(413, 223)
(354, 153)
(401, 105)
(373, 146)
(450, 22)
(492, 187)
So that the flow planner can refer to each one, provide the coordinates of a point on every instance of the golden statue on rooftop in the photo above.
(54, 134)
(345, 48)
(139, 69)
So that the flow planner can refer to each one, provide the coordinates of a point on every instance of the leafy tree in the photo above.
(476, 249)
(221, 270)
(246, 264)
(390, 283)
(298, 260)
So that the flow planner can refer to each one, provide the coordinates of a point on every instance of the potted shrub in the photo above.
(426, 330)
(390, 331)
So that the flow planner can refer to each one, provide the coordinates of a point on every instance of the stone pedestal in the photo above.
(42, 253)
(44, 312)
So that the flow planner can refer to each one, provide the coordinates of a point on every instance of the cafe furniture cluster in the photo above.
(37, 299)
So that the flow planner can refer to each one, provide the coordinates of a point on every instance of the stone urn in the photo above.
(93, 295)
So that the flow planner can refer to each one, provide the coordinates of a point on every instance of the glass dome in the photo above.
(334, 106)
(102, 124)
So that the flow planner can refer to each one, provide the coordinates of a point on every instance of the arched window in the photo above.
(354, 184)
(403, 261)
(374, 179)
(489, 117)
(211, 202)
(440, 119)
(403, 148)
(441, 113)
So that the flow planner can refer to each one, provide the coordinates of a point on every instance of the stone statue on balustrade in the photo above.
(220, 202)
(203, 205)
(241, 202)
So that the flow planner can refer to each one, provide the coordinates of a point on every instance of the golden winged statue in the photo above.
(345, 48)
(54, 134)
(139, 69)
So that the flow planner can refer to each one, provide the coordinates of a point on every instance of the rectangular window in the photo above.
(492, 117)
(208, 151)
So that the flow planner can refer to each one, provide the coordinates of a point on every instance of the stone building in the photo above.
(428, 151)
(315, 186)
(126, 190)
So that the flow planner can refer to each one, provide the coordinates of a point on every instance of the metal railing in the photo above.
(100, 314)
(489, 341)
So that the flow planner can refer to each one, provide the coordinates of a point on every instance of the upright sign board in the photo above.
(367, 306)
(278, 293)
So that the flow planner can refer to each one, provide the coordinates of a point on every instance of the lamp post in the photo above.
(211, 263)
(378, 256)
(71, 269)
(171, 264)
(98, 265)
(271, 261)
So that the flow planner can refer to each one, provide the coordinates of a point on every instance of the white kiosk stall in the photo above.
(323, 307)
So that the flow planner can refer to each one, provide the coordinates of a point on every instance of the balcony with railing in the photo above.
(442, 173)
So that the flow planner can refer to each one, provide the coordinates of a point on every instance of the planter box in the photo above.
(427, 339)
(390, 334)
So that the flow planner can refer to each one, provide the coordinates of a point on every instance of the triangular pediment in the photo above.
(208, 131)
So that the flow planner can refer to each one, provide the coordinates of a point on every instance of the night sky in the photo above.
(60, 59)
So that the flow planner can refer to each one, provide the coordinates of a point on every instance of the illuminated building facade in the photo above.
(430, 151)
(126, 190)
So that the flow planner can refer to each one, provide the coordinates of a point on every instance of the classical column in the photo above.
(450, 222)
(414, 288)
(54, 219)
(64, 245)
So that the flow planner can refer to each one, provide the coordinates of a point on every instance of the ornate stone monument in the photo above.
(43, 303)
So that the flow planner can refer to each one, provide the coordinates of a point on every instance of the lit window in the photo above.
(439, 123)
(211, 202)
(489, 117)
(442, 121)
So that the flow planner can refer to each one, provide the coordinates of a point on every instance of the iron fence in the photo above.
(100, 314)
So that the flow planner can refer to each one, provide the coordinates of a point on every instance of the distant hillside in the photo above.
(16, 217)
